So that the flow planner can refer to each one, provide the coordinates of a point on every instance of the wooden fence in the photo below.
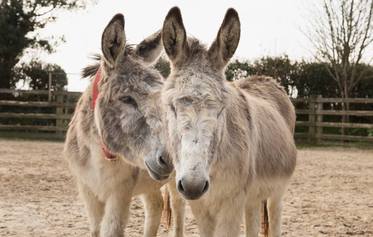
(47, 112)
(40, 112)
(320, 119)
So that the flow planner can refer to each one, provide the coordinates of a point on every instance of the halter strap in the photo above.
(95, 91)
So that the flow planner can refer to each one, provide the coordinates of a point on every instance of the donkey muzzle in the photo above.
(159, 167)
(192, 189)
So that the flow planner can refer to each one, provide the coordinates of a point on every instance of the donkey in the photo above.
(116, 126)
(231, 143)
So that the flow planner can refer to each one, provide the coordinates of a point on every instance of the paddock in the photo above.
(331, 194)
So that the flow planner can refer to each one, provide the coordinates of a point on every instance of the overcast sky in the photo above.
(269, 27)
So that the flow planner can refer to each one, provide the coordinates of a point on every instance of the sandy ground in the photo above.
(331, 194)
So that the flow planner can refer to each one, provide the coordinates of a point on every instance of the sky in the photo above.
(268, 28)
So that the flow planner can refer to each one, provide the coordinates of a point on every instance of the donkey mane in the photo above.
(91, 70)
(196, 48)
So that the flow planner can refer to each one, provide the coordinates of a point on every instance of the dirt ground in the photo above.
(331, 194)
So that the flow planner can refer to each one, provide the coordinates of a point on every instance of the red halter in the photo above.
(95, 88)
(108, 155)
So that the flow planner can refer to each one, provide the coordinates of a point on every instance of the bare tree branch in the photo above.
(341, 35)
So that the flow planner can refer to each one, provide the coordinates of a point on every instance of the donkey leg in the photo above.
(229, 220)
(274, 216)
(205, 221)
(153, 203)
(178, 211)
(116, 215)
(252, 214)
(95, 209)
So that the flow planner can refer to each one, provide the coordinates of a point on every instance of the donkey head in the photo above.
(194, 99)
(127, 112)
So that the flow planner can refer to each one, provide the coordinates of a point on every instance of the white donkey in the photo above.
(231, 143)
(117, 123)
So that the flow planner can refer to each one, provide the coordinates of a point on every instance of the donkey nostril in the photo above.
(206, 187)
(180, 186)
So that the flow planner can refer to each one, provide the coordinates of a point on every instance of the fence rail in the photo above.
(44, 111)
(313, 118)
(34, 104)
(39, 92)
(40, 111)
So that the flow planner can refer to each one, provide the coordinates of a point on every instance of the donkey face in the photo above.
(194, 100)
(127, 112)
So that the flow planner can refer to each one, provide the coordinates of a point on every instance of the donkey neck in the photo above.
(84, 114)
(235, 137)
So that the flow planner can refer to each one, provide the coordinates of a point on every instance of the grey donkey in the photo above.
(231, 143)
(116, 127)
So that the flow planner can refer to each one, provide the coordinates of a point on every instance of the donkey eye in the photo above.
(186, 101)
(128, 100)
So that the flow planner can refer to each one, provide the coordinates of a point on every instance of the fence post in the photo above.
(319, 118)
(59, 112)
(49, 86)
(311, 120)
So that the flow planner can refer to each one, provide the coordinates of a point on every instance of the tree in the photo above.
(342, 35)
(19, 22)
(236, 70)
(36, 75)
(314, 79)
(280, 68)
(365, 87)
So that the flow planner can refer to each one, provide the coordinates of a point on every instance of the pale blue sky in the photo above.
(269, 27)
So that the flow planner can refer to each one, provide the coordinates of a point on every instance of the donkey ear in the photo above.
(226, 42)
(113, 39)
(174, 37)
(150, 48)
